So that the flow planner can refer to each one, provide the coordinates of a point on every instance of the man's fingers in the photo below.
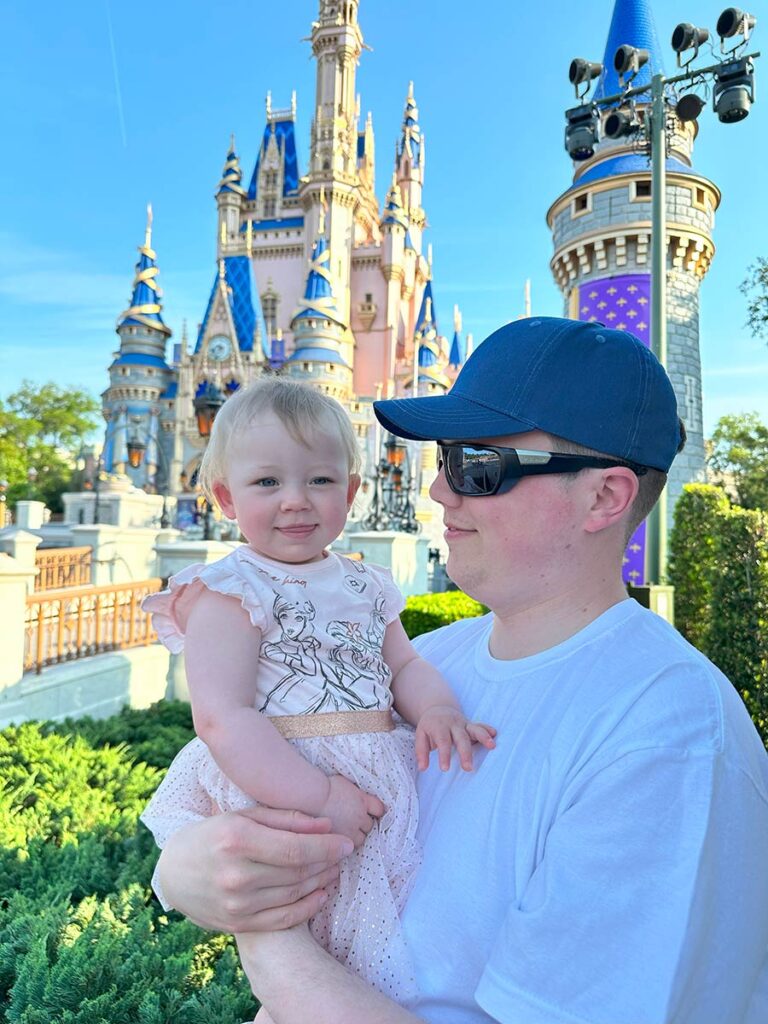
(288, 821)
(284, 895)
(278, 918)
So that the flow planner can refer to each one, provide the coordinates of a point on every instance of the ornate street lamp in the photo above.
(136, 451)
(207, 405)
(392, 505)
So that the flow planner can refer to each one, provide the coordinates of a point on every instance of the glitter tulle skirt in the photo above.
(359, 925)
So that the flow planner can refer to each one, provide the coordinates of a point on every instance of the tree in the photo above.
(755, 287)
(42, 428)
(739, 458)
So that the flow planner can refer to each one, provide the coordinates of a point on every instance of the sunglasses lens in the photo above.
(472, 470)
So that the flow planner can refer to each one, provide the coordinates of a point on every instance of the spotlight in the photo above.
(688, 37)
(734, 91)
(581, 72)
(581, 134)
(734, 22)
(628, 60)
(689, 107)
(620, 122)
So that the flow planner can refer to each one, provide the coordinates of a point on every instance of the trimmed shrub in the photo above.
(738, 631)
(693, 560)
(425, 612)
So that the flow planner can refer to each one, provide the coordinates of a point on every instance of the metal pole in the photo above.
(656, 540)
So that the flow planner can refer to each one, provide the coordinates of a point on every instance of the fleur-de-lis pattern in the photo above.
(623, 303)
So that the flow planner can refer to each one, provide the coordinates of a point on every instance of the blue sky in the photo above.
(108, 105)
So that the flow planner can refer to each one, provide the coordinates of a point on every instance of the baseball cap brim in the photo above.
(448, 417)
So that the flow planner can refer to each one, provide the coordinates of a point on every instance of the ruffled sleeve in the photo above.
(394, 602)
(170, 608)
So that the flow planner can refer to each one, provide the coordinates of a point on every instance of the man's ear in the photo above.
(614, 493)
(352, 488)
(223, 498)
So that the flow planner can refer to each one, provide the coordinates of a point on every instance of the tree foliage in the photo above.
(739, 458)
(42, 428)
(755, 288)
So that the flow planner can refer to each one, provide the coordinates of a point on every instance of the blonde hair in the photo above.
(302, 410)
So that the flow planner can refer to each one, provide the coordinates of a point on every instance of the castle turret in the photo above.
(429, 349)
(321, 337)
(336, 45)
(229, 199)
(601, 228)
(409, 167)
(139, 373)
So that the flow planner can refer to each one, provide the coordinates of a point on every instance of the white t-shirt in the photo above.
(607, 863)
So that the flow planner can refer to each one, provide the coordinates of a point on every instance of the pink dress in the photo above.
(322, 628)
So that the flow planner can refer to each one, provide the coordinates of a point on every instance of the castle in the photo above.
(317, 281)
(313, 280)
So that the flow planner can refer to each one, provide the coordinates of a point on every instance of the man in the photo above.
(606, 863)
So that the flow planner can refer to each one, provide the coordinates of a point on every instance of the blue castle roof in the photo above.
(317, 355)
(237, 277)
(458, 352)
(319, 300)
(632, 23)
(625, 164)
(393, 207)
(285, 132)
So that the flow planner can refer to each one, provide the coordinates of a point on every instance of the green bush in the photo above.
(426, 612)
(738, 632)
(693, 561)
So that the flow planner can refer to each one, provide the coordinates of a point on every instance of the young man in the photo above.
(606, 863)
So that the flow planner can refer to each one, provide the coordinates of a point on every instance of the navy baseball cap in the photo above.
(589, 384)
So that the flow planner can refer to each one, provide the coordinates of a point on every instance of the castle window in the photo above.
(699, 197)
(270, 205)
(581, 204)
(639, 191)
(692, 413)
(269, 303)
(270, 179)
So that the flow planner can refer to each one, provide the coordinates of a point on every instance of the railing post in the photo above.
(16, 580)
(21, 545)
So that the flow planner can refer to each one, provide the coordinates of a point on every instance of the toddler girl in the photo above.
(295, 657)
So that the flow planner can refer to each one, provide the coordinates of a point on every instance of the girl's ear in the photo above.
(223, 498)
(352, 488)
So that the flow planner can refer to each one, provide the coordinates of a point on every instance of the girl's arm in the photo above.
(221, 657)
(424, 699)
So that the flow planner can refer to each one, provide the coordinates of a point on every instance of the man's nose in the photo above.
(440, 492)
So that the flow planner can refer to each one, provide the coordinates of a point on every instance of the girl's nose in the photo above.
(294, 497)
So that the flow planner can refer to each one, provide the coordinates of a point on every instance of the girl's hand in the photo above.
(443, 727)
(352, 812)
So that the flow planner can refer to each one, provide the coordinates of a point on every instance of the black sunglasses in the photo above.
(478, 471)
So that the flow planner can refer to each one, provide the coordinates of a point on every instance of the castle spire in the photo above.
(393, 206)
(633, 24)
(145, 308)
(232, 175)
(409, 146)
(319, 299)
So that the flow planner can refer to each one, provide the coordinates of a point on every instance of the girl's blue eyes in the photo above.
(271, 481)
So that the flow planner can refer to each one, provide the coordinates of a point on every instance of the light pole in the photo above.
(391, 506)
(733, 94)
(207, 405)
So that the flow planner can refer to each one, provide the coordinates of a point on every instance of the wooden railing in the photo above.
(63, 567)
(63, 625)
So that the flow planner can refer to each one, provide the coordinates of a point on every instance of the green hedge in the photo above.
(693, 559)
(738, 634)
(719, 568)
(426, 612)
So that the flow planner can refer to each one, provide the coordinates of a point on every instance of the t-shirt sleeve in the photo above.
(394, 602)
(170, 608)
(620, 922)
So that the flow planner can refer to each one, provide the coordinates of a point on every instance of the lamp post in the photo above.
(733, 94)
(206, 406)
(392, 505)
(3, 506)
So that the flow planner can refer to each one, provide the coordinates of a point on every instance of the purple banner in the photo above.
(625, 304)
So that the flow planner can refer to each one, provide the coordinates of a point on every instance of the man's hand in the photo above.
(257, 870)
(351, 812)
(443, 727)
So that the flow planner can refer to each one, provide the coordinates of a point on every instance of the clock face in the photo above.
(219, 347)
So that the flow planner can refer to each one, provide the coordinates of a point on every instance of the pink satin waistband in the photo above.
(332, 723)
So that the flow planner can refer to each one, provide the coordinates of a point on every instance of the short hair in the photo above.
(303, 410)
(650, 484)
